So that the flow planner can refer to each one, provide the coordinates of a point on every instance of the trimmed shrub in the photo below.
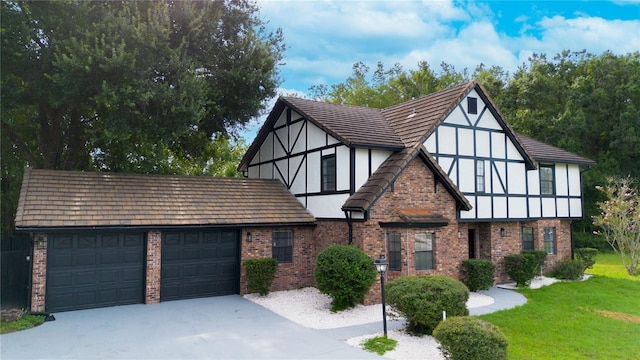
(567, 269)
(589, 240)
(470, 338)
(422, 299)
(587, 256)
(539, 258)
(477, 274)
(521, 268)
(260, 274)
(345, 273)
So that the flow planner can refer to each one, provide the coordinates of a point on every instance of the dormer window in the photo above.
(472, 105)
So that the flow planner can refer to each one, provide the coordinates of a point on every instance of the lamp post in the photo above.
(381, 265)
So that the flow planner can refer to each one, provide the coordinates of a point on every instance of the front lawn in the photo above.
(594, 319)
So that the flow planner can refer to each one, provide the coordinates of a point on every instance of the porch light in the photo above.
(503, 232)
(249, 237)
(381, 265)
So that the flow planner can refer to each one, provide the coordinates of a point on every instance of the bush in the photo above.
(260, 274)
(477, 274)
(470, 338)
(589, 240)
(422, 299)
(345, 273)
(587, 256)
(568, 270)
(539, 258)
(521, 268)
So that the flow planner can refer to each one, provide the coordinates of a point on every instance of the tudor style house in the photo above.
(429, 182)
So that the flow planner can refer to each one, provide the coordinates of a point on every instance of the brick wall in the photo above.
(39, 275)
(154, 267)
(296, 274)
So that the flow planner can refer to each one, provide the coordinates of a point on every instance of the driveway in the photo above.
(227, 327)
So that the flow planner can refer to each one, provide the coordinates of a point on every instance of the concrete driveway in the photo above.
(227, 327)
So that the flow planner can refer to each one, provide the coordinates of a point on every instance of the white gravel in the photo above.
(310, 308)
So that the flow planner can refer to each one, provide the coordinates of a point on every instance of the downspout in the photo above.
(350, 225)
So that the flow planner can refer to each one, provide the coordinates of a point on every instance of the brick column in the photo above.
(39, 273)
(154, 267)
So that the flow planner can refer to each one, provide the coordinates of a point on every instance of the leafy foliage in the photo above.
(567, 269)
(260, 274)
(24, 322)
(587, 256)
(345, 273)
(620, 220)
(422, 299)
(380, 345)
(477, 274)
(521, 268)
(470, 338)
(539, 257)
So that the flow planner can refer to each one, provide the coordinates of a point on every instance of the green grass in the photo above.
(379, 345)
(25, 322)
(594, 319)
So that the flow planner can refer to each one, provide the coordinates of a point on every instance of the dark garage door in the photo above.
(199, 264)
(87, 271)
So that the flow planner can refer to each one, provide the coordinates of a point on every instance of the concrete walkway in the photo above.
(227, 327)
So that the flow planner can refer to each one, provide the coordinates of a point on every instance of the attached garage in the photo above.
(107, 239)
(200, 264)
(94, 270)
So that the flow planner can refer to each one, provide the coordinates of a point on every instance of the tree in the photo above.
(129, 86)
(118, 85)
(620, 220)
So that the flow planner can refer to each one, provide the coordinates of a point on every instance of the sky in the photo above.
(325, 38)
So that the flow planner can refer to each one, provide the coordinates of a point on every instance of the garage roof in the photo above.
(66, 199)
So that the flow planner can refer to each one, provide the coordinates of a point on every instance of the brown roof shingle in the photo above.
(542, 152)
(51, 199)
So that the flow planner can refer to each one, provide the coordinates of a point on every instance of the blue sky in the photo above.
(325, 38)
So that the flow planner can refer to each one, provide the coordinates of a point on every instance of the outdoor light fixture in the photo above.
(503, 232)
(249, 237)
(40, 242)
(381, 265)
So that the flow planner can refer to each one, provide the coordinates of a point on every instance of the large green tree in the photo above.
(130, 86)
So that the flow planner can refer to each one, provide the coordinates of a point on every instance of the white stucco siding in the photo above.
(343, 168)
(562, 184)
(297, 174)
(280, 142)
(317, 137)
(467, 169)
(533, 182)
(447, 140)
(498, 177)
(575, 185)
(466, 142)
(266, 171)
(497, 145)
(499, 207)
(377, 158)
(517, 178)
(484, 205)
(253, 172)
(298, 136)
(549, 207)
(575, 207)
(483, 146)
(430, 143)
(535, 208)
(562, 205)
(517, 207)
(470, 214)
(512, 152)
(327, 206)
(362, 167)
(457, 117)
(313, 172)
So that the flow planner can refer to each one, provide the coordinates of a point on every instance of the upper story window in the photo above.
(472, 105)
(527, 238)
(424, 251)
(328, 172)
(282, 249)
(547, 182)
(480, 176)
(395, 254)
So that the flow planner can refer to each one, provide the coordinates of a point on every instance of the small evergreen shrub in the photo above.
(477, 274)
(521, 268)
(345, 273)
(567, 269)
(587, 256)
(422, 299)
(260, 274)
(470, 338)
(539, 258)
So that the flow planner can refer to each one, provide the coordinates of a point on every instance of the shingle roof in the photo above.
(52, 199)
(542, 152)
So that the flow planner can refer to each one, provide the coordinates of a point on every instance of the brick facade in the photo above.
(39, 274)
(154, 267)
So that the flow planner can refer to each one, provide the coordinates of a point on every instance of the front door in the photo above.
(472, 244)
